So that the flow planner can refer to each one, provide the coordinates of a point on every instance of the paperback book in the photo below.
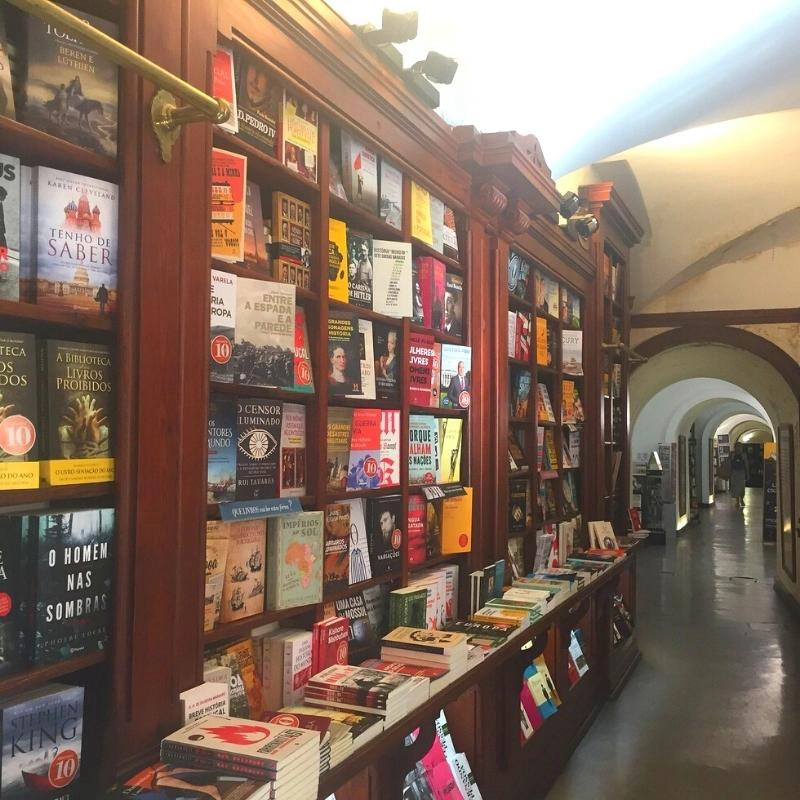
(337, 260)
(456, 376)
(290, 248)
(10, 199)
(387, 349)
(389, 462)
(258, 433)
(299, 135)
(303, 372)
(385, 534)
(344, 362)
(391, 195)
(359, 569)
(392, 278)
(295, 545)
(359, 173)
(365, 449)
(450, 430)
(423, 459)
(421, 355)
(360, 273)
(6, 90)
(258, 99)
(228, 201)
(243, 590)
(337, 546)
(453, 304)
(224, 85)
(255, 244)
(366, 359)
(221, 483)
(222, 329)
(292, 480)
(340, 422)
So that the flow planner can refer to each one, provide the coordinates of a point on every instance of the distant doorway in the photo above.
(754, 453)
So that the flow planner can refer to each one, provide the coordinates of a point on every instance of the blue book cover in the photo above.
(221, 450)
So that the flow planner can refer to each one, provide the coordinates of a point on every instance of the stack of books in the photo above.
(287, 759)
(485, 635)
(386, 694)
(425, 648)
(352, 730)
(324, 727)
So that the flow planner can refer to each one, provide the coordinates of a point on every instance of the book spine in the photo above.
(416, 646)
(340, 694)
(186, 755)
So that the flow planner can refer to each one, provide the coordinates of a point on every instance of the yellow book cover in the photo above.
(421, 225)
(337, 260)
(541, 341)
(568, 401)
(228, 199)
(457, 523)
(450, 449)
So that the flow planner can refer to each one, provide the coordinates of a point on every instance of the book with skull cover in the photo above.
(76, 398)
(243, 589)
(258, 436)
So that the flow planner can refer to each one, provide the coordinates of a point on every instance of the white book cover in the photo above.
(572, 352)
(297, 650)
(512, 334)
(391, 190)
(360, 173)
(437, 224)
(272, 666)
(292, 464)
(367, 361)
(465, 777)
(200, 701)
(222, 330)
(451, 591)
(360, 569)
(392, 275)
(389, 466)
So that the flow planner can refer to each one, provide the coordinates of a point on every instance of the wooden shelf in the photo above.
(434, 561)
(35, 147)
(242, 627)
(547, 370)
(362, 220)
(439, 336)
(438, 412)
(364, 313)
(51, 494)
(426, 250)
(243, 271)
(519, 303)
(520, 421)
(213, 511)
(548, 424)
(32, 677)
(245, 390)
(346, 591)
(518, 362)
(333, 497)
(548, 317)
(360, 402)
(36, 318)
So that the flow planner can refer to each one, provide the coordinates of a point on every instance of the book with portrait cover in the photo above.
(263, 349)
(359, 268)
(295, 550)
(359, 173)
(340, 421)
(366, 359)
(76, 398)
(228, 202)
(344, 364)
(299, 135)
(384, 533)
(258, 432)
(293, 451)
(224, 85)
(70, 89)
(336, 568)
(456, 377)
(243, 590)
(71, 558)
(303, 372)
(392, 278)
(221, 450)
(76, 242)
(365, 449)
(257, 98)
(423, 446)
(453, 304)
(391, 195)
(10, 207)
(222, 330)
(387, 349)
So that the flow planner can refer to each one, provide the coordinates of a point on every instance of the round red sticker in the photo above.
(303, 375)
(63, 769)
(221, 349)
(370, 467)
(17, 435)
(5, 604)
(342, 653)
(287, 720)
(462, 540)
(397, 538)
(464, 399)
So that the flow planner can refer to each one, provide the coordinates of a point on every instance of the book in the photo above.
(299, 135)
(457, 522)
(76, 398)
(258, 432)
(518, 502)
(512, 347)
(340, 422)
(421, 349)
(449, 234)
(297, 661)
(76, 242)
(295, 550)
(243, 590)
(221, 481)
(412, 670)
(42, 743)
(60, 95)
(365, 449)
(200, 701)
(523, 336)
(385, 534)
(255, 244)
(359, 173)
(572, 352)
(359, 569)
(263, 349)
(407, 607)
(518, 275)
(27, 235)
(228, 201)
(517, 458)
(366, 359)
(542, 336)
(337, 546)
(390, 208)
(544, 408)
(337, 264)
(431, 285)
(257, 101)
(290, 249)
(16, 594)
(423, 458)
(453, 304)
(436, 375)
(217, 542)
(450, 430)
(416, 517)
(516, 556)
(421, 224)
(354, 609)
(437, 224)
(303, 372)
(224, 85)
(386, 349)
(359, 268)
(450, 644)
(330, 643)
(392, 278)
(6, 89)
(344, 363)
(520, 392)
(292, 461)
(456, 376)
(10, 207)
(570, 308)
(550, 304)
(160, 781)
(222, 330)
(389, 461)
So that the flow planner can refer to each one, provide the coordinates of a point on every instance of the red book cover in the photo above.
(412, 670)
(422, 351)
(531, 709)
(416, 529)
(308, 722)
(436, 369)
(330, 643)
(425, 280)
(437, 297)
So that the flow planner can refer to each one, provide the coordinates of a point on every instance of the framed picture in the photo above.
(786, 499)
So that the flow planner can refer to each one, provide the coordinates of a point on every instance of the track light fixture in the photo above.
(436, 67)
(570, 203)
(395, 28)
(586, 224)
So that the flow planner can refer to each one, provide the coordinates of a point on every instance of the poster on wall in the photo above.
(682, 476)
(770, 524)
(786, 498)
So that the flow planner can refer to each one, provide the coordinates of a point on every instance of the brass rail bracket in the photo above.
(166, 117)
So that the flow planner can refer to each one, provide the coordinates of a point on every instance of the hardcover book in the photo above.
(263, 350)
(70, 88)
(243, 592)
(221, 450)
(228, 201)
(297, 661)
(391, 195)
(421, 349)
(10, 206)
(217, 542)
(389, 461)
(385, 534)
(542, 337)
(291, 240)
(437, 224)
(344, 363)
(359, 268)
(255, 245)
(76, 242)
(303, 372)
(392, 278)
(571, 309)
(337, 260)
(450, 450)
(15, 590)
(407, 607)
(76, 400)
(223, 326)
(42, 738)
(423, 447)
(293, 451)
(387, 349)
(366, 360)
(550, 303)
(330, 643)
(340, 422)
(337, 545)
(523, 336)
(365, 449)
(359, 173)
(294, 560)
(258, 431)
(6, 90)
(359, 569)
(456, 377)
(453, 304)
(299, 135)
(517, 506)
(224, 85)
(257, 98)
(520, 392)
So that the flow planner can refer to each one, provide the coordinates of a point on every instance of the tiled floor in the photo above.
(712, 710)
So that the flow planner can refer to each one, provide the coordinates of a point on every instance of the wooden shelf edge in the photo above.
(346, 591)
(243, 271)
(349, 212)
(427, 250)
(49, 494)
(35, 676)
(267, 392)
(32, 315)
(242, 627)
(333, 497)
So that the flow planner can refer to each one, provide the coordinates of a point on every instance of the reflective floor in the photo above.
(712, 710)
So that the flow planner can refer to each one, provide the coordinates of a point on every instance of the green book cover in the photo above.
(294, 560)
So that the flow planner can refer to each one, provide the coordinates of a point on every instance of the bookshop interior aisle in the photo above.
(711, 711)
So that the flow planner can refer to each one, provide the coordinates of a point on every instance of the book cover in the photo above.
(71, 556)
(387, 349)
(437, 294)
(423, 434)
(551, 303)
(453, 304)
(572, 352)
(354, 610)
(297, 661)
(337, 264)
(431, 641)
(255, 245)
(366, 359)
(523, 335)
(263, 350)
(416, 525)
(299, 135)
(365, 449)
(161, 781)
(303, 372)
(340, 422)
(42, 743)
(360, 569)
(417, 301)
(6, 89)
(77, 398)
(412, 670)
(359, 268)
(544, 411)
(359, 173)
(217, 541)
(421, 224)
(389, 461)
(456, 377)
(290, 247)
(518, 500)
(76, 242)
(408, 607)
(228, 201)
(15, 591)
(542, 354)
(567, 401)
(384, 533)
(242, 659)
(519, 271)
(520, 392)
(243, 591)
(512, 345)
(450, 234)
(337, 546)
(200, 701)
(221, 450)
(344, 363)
(331, 643)
(27, 235)
(391, 195)
(457, 523)
(292, 462)
(392, 278)
(222, 329)
(421, 354)
(70, 88)
(258, 98)
(450, 450)
(516, 556)
(518, 459)
(10, 207)
(224, 85)
(437, 224)
(258, 431)
(570, 308)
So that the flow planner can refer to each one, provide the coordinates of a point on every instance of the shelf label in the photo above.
(19, 475)
(258, 509)
(68, 471)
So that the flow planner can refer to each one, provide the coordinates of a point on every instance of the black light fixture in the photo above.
(395, 28)
(570, 203)
(586, 224)
(436, 67)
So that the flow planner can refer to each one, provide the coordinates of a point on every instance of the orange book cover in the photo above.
(541, 341)
(457, 523)
(228, 183)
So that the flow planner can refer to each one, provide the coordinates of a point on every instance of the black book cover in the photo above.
(453, 304)
(518, 497)
(19, 433)
(258, 97)
(354, 609)
(344, 363)
(71, 554)
(387, 347)
(258, 436)
(15, 596)
(359, 268)
(384, 534)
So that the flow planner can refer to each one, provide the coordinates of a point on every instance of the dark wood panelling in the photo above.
(745, 316)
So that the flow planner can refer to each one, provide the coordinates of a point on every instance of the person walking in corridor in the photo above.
(739, 475)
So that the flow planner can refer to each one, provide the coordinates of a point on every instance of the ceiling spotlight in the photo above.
(586, 225)
(570, 203)
(436, 68)
(395, 28)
